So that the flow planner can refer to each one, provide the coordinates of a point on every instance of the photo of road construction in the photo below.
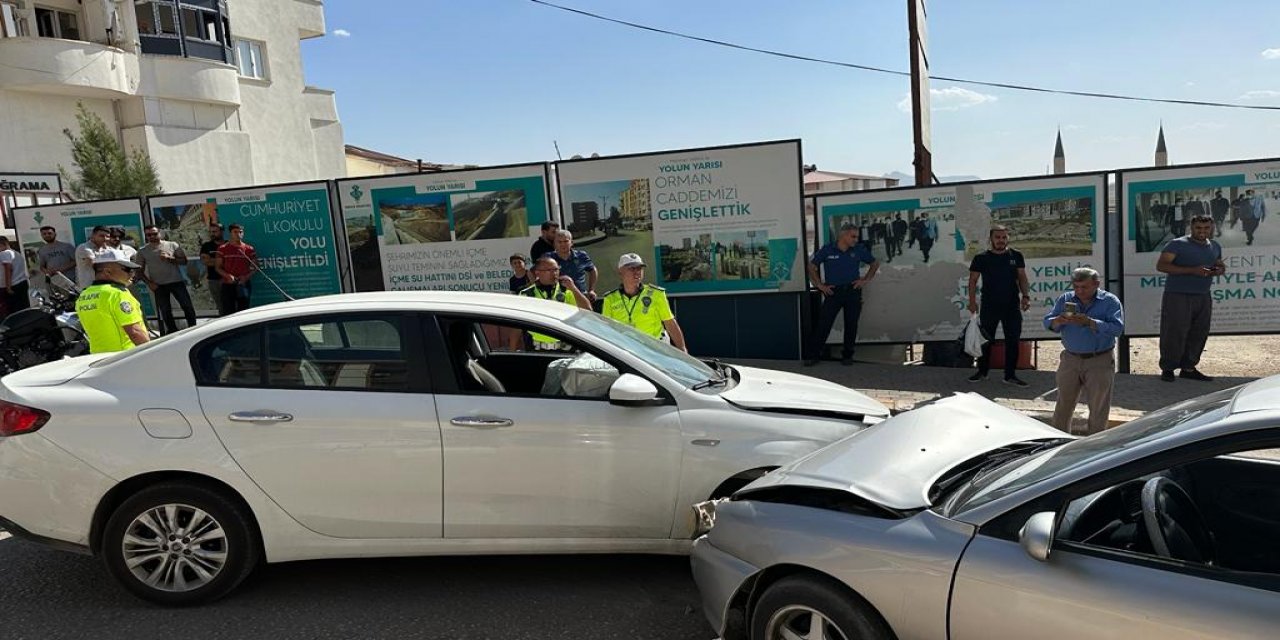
(489, 215)
(742, 255)
(1050, 228)
(415, 219)
(691, 260)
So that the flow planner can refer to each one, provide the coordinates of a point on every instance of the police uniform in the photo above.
(557, 293)
(105, 308)
(646, 310)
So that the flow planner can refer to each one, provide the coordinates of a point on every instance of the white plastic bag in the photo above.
(973, 338)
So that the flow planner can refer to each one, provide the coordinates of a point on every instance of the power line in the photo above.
(863, 67)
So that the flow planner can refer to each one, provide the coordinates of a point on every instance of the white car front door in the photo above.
(334, 423)
(534, 449)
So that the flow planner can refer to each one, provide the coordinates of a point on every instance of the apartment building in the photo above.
(213, 90)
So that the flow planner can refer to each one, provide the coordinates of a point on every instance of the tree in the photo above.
(103, 170)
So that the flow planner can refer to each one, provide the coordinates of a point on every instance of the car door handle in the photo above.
(481, 423)
(260, 416)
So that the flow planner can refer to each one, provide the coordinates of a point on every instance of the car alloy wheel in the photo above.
(175, 547)
(180, 544)
(802, 623)
(814, 608)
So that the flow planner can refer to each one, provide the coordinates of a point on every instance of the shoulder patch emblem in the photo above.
(125, 307)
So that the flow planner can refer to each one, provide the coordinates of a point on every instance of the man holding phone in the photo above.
(1191, 262)
(1089, 320)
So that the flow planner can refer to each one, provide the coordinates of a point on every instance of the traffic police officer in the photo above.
(109, 313)
(548, 284)
(643, 306)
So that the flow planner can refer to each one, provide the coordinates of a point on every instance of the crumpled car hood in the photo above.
(767, 389)
(895, 462)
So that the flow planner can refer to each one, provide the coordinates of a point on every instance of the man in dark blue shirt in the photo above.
(1089, 319)
(1186, 310)
(841, 288)
(574, 263)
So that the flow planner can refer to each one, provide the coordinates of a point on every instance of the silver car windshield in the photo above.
(1020, 473)
(682, 367)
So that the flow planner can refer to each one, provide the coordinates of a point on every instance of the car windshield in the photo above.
(681, 366)
(1017, 474)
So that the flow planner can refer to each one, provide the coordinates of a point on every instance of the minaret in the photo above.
(1059, 158)
(1162, 154)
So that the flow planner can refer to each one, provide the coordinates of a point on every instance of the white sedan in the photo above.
(389, 424)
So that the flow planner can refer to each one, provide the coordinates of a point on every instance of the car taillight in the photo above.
(16, 419)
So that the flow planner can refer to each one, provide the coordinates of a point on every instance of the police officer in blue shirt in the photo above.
(841, 287)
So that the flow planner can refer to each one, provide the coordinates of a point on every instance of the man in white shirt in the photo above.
(13, 277)
(85, 253)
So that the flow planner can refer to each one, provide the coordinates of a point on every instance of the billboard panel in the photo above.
(1243, 199)
(289, 225)
(448, 230)
(920, 293)
(715, 220)
(72, 223)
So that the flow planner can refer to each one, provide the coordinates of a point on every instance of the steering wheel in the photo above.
(1174, 524)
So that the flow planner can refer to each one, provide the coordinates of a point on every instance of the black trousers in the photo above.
(926, 244)
(235, 297)
(1185, 319)
(164, 304)
(20, 298)
(1250, 226)
(989, 317)
(844, 298)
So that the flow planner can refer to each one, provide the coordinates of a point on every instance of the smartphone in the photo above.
(1069, 309)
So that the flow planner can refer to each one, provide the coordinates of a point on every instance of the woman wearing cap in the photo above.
(643, 306)
(111, 316)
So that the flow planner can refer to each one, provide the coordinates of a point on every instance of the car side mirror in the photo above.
(630, 390)
(1036, 536)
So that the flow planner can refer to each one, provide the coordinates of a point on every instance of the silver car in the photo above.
(966, 520)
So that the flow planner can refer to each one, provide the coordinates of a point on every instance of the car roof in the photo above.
(390, 300)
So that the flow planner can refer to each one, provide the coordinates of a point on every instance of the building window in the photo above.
(51, 23)
(12, 24)
(201, 24)
(250, 58)
(156, 18)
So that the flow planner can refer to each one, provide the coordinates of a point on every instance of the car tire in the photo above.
(193, 543)
(792, 603)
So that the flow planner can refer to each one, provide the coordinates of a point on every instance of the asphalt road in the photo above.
(51, 594)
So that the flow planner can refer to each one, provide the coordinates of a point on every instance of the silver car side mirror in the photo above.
(630, 390)
(1036, 536)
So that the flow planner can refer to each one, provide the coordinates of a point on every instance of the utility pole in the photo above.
(917, 16)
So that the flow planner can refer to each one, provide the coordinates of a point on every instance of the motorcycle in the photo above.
(50, 330)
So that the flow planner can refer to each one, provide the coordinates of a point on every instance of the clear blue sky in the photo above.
(495, 81)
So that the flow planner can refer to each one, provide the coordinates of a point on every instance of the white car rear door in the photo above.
(338, 427)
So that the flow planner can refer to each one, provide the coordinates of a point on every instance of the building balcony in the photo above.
(191, 79)
(310, 18)
(322, 106)
(66, 67)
